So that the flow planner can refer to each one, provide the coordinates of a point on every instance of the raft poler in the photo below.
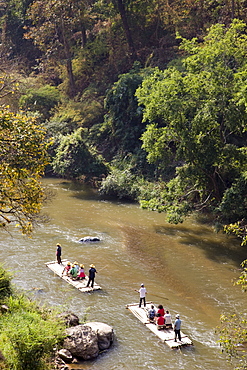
(91, 275)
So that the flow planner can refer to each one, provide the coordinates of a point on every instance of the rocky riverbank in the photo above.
(83, 341)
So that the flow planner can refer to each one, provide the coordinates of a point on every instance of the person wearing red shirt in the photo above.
(160, 321)
(161, 310)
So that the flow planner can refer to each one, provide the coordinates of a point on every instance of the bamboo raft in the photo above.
(81, 285)
(166, 335)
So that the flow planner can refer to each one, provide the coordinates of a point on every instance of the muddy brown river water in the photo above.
(188, 268)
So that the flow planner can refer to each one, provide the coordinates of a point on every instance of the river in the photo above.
(188, 268)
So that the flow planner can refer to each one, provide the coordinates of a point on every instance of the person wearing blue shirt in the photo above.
(177, 326)
(59, 253)
(91, 275)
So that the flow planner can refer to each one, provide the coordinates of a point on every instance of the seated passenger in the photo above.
(77, 266)
(73, 272)
(151, 313)
(160, 321)
(161, 310)
(168, 319)
(81, 274)
(66, 269)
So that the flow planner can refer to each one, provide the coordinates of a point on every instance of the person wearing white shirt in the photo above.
(168, 318)
(143, 293)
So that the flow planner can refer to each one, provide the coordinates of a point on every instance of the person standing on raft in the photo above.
(59, 253)
(177, 326)
(91, 275)
(143, 293)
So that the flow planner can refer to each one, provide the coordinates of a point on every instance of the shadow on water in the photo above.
(205, 238)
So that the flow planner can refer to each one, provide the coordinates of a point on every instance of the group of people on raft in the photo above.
(75, 270)
(160, 317)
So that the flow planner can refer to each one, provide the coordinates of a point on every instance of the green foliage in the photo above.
(41, 100)
(28, 334)
(233, 205)
(12, 22)
(123, 120)
(233, 329)
(125, 179)
(233, 335)
(198, 119)
(238, 229)
(242, 280)
(5, 284)
(23, 159)
(74, 158)
(121, 184)
(70, 115)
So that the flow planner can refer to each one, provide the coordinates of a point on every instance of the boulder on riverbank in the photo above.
(69, 318)
(85, 341)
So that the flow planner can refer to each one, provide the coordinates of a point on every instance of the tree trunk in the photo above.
(233, 9)
(72, 90)
(127, 31)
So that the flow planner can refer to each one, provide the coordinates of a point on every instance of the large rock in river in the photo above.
(104, 333)
(87, 340)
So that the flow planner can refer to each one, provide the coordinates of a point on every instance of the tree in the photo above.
(127, 31)
(197, 114)
(54, 25)
(12, 21)
(22, 162)
(123, 119)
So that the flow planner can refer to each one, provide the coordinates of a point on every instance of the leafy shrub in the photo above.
(28, 334)
(121, 184)
(5, 284)
(70, 115)
(74, 158)
(41, 100)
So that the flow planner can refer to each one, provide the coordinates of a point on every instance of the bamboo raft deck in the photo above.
(166, 335)
(81, 285)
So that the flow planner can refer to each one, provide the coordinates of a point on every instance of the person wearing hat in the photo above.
(177, 326)
(143, 293)
(91, 275)
(77, 266)
(81, 274)
(59, 253)
(67, 268)
(73, 272)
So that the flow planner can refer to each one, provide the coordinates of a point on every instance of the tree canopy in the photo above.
(197, 114)
(22, 162)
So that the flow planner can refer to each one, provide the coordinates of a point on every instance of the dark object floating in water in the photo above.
(87, 239)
